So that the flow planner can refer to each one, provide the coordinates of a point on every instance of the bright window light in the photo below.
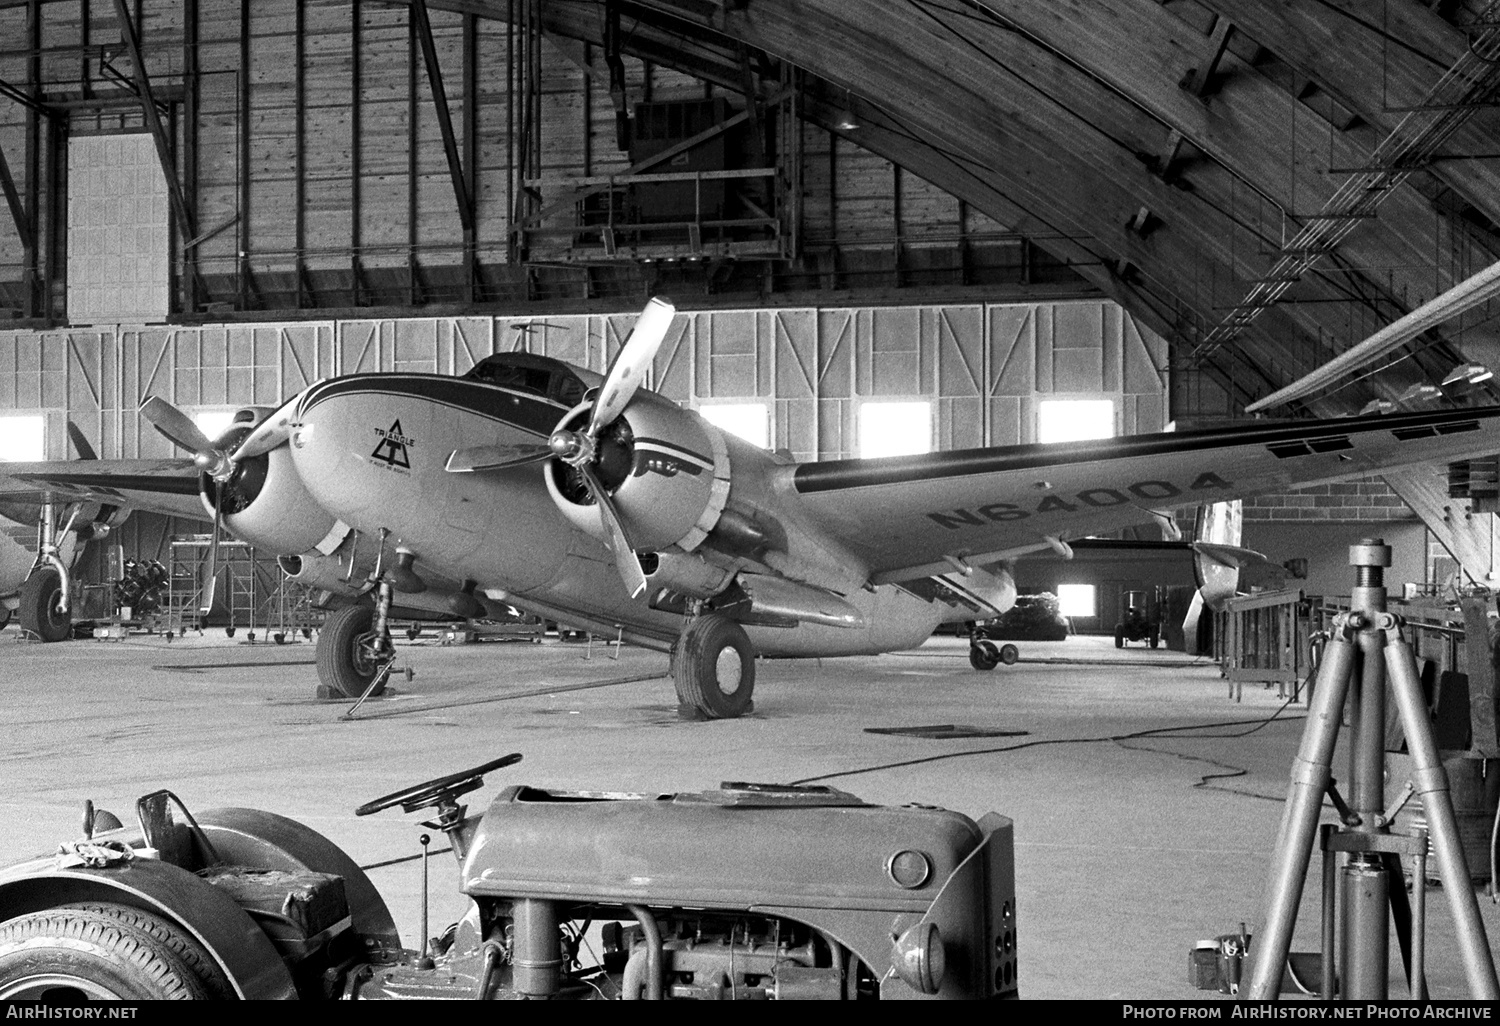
(894, 429)
(1076, 600)
(1074, 420)
(750, 421)
(213, 423)
(23, 439)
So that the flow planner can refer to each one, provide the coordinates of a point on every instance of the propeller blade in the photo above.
(630, 366)
(207, 600)
(177, 426)
(271, 433)
(496, 457)
(618, 544)
(80, 443)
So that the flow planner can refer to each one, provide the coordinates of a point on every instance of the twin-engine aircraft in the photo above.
(590, 500)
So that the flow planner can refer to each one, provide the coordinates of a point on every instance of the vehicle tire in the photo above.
(1009, 654)
(1119, 637)
(67, 954)
(38, 606)
(714, 669)
(192, 954)
(345, 664)
(5, 615)
(1155, 638)
(983, 655)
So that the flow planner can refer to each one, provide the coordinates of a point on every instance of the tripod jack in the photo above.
(1367, 651)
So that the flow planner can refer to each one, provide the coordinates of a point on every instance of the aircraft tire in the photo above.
(984, 655)
(1009, 654)
(341, 666)
(38, 607)
(73, 951)
(713, 668)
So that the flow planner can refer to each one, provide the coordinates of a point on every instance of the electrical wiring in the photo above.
(1258, 724)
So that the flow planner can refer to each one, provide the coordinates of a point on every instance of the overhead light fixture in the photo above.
(847, 121)
(1377, 406)
(1422, 393)
(1468, 373)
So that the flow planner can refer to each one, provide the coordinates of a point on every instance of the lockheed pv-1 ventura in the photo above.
(591, 500)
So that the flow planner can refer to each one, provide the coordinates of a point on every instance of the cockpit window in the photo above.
(525, 372)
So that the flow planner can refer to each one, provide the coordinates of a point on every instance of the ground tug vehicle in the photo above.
(751, 891)
(1141, 620)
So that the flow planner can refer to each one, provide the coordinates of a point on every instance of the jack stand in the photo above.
(1366, 652)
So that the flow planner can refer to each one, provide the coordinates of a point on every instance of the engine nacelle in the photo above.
(667, 468)
(265, 502)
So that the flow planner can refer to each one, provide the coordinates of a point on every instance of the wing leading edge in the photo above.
(911, 516)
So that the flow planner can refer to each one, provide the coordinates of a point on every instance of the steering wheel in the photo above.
(431, 792)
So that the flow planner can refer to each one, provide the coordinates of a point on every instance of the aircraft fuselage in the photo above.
(372, 450)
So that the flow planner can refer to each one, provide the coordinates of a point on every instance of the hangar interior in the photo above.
(896, 227)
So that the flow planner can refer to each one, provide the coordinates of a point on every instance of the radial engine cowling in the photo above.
(264, 501)
(667, 469)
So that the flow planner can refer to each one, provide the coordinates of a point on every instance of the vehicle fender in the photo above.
(264, 840)
(241, 949)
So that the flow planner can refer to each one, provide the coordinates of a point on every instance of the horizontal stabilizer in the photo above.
(1230, 555)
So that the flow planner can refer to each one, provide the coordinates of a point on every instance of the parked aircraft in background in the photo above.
(595, 502)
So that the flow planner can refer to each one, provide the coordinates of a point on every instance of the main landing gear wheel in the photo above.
(1009, 654)
(713, 668)
(348, 652)
(87, 954)
(983, 655)
(39, 614)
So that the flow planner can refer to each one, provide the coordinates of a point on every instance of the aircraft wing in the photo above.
(167, 486)
(912, 516)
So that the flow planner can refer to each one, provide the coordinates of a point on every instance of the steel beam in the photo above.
(185, 220)
(356, 163)
(423, 28)
(17, 206)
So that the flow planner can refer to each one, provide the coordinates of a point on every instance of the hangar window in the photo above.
(894, 429)
(750, 421)
(1074, 420)
(1077, 600)
(213, 423)
(23, 438)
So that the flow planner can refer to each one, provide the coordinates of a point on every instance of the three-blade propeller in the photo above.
(581, 448)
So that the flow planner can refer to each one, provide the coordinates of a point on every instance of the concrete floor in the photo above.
(1129, 849)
